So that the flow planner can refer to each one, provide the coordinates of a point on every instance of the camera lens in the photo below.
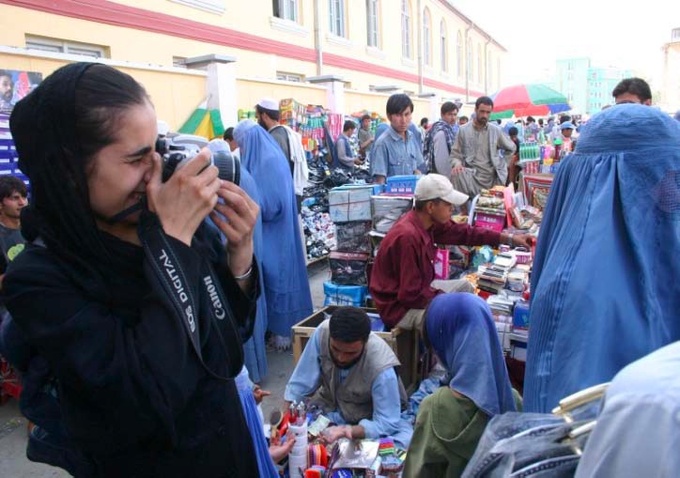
(228, 166)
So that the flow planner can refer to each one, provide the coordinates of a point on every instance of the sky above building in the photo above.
(537, 34)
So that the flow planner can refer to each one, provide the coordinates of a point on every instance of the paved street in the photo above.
(13, 434)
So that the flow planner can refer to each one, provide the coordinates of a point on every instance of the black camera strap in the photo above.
(167, 269)
(126, 212)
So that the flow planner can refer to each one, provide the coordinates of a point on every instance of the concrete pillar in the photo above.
(335, 92)
(221, 93)
(434, 108)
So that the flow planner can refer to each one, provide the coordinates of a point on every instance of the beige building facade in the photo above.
(347, 55)
(671, 73)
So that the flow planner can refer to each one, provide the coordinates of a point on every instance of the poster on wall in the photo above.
(14, 85)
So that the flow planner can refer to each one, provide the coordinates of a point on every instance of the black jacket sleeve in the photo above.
(119, 384)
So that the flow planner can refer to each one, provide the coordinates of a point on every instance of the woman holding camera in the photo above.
(129, 301)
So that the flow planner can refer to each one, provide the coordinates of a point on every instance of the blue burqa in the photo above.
(284, 267)
(606, 288)
(462, 333)
(245, 391)
(254, 350)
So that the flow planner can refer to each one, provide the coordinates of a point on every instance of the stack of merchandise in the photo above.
(489, 209)
(320, 236)
(390, 205)
(504, 282)
(494, 276)
(293, 114)
(386, 210)
(350, 211)
(530, 157)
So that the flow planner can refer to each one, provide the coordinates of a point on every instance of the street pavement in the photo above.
(13, 432)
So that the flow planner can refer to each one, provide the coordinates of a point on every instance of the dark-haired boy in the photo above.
(13, 196)
(396, 152)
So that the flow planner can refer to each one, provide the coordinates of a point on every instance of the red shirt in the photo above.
(404, 267)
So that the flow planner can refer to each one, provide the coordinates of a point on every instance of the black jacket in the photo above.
(134, 395)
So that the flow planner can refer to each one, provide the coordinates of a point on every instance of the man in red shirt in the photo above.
(402, 278)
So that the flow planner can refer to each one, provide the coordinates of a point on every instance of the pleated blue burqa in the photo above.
(255, 349)
(606, 277)
(284, 267)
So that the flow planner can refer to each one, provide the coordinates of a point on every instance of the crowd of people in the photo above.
(136, 308)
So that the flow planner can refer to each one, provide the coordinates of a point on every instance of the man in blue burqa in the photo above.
(605, 288)
(284, 266)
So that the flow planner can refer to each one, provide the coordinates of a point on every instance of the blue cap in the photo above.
(567, 125)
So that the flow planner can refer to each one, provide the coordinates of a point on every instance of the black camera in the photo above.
(175, 152)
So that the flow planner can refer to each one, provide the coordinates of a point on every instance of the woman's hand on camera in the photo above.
(236, 219)
(184, 200)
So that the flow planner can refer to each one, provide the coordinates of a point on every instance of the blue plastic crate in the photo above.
(404, 184)
(354, 295)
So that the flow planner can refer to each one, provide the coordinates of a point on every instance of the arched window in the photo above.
(372, 23)
(405, 29)
(459, 54)
(427, 38)
(443, 46)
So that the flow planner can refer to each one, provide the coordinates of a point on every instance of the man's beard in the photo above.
(261, 123)
(347, 365)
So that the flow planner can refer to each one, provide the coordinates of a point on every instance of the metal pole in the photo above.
(419, 30)
(318, 44)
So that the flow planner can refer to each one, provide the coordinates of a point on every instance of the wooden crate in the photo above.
(401, 343)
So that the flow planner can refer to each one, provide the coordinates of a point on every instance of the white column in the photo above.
(335, 92)
(221, 93)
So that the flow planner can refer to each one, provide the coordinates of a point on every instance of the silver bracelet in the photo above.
(245, 275)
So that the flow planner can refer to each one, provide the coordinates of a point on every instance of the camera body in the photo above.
(175, 152)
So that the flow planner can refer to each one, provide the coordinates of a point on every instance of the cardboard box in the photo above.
(386, 210)
(353, 236)
(490, 221)
(350, 203)
(441, 264)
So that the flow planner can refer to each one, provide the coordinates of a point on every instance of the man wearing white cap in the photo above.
(402, 278)
(267, 114)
